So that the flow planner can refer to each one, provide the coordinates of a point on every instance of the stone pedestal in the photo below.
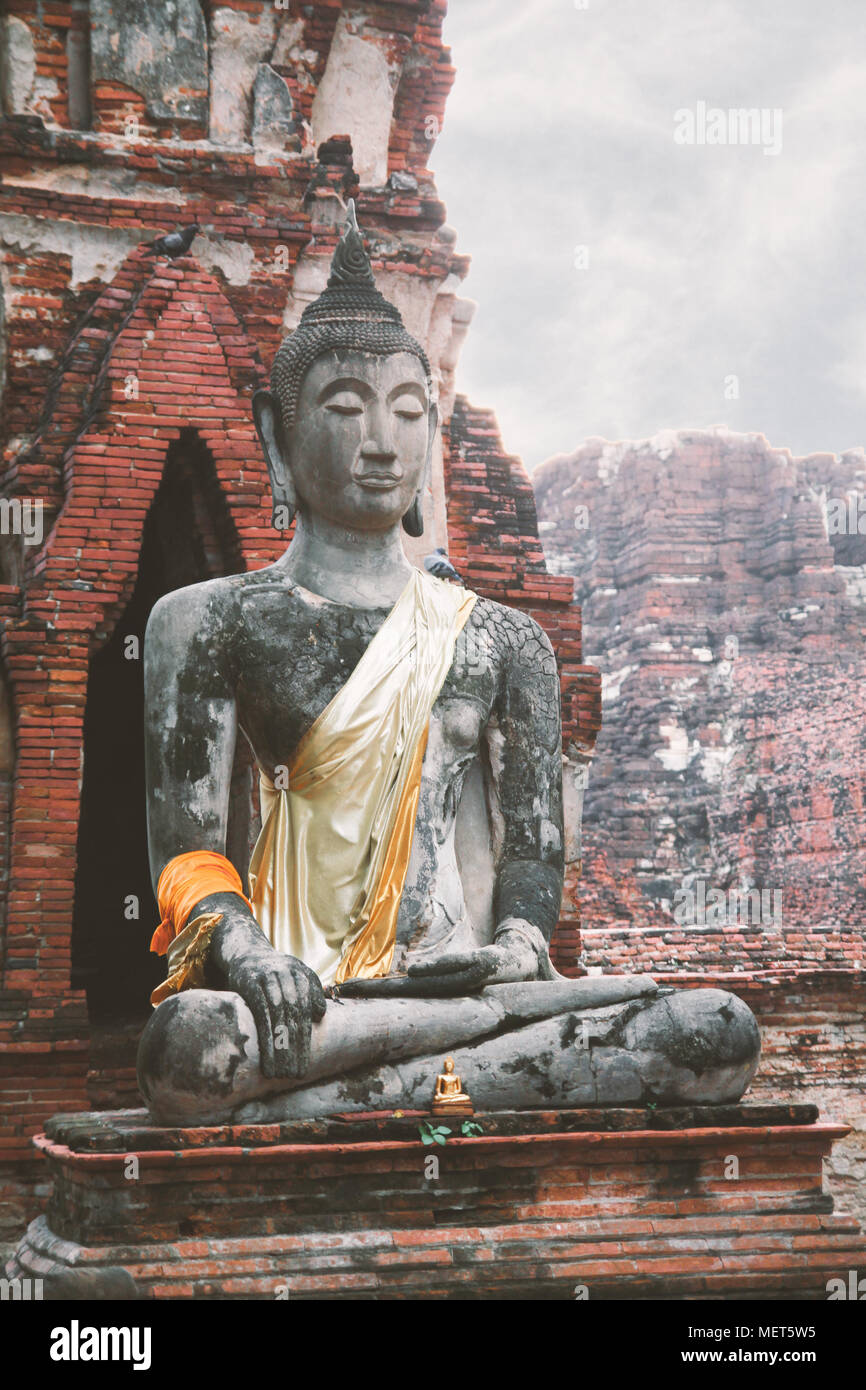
(706, 1203)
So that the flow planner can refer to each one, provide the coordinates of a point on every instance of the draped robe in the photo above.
(328, 868)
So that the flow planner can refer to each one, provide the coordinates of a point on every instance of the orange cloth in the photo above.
(184, 881)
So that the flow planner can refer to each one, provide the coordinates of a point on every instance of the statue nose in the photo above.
(372, 451)
(378, 447)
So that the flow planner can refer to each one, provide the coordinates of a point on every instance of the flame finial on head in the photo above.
(351, 264)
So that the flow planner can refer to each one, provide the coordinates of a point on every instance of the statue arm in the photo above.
(524, 747)
(190, 727)
(524, 741)
(190, 735)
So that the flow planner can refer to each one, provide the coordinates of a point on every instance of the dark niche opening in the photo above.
(188, 536)
(78, 66)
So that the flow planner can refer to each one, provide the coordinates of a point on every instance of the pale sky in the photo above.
(705, 262)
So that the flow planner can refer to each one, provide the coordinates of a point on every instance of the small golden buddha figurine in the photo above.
(449, 1098)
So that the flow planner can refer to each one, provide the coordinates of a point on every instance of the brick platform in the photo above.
(629, 1203)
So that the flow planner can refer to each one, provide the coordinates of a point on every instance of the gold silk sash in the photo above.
(328, 868)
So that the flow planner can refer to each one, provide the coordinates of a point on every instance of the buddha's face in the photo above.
(358, 449)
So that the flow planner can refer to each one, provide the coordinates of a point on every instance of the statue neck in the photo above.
(362, 569)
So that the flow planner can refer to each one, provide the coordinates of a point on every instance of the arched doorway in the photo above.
(188, 536)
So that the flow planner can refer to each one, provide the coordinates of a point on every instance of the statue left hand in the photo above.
(512, 958)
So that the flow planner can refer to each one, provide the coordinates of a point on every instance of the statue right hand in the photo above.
(283, 995)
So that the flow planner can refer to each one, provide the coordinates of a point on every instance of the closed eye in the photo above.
(345, 404)
(408, 408)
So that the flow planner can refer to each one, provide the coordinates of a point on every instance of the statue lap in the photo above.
(541, 1044)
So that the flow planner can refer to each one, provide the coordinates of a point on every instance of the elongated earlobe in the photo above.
(413, 520)
(269, 425)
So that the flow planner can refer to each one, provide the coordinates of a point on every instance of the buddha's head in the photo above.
(348, 425)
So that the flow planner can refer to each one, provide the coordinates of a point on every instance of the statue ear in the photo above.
(272, 437)
(413, 521)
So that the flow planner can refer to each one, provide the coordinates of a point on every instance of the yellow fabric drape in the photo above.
(328, 868)
(187, 955)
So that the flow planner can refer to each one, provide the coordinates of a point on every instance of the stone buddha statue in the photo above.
(349, 963)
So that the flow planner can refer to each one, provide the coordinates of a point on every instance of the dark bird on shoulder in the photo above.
(174, 243)
(440, 566)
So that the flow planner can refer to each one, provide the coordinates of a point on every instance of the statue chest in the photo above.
(292, 662)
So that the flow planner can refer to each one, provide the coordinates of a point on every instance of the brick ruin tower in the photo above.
(131, 465)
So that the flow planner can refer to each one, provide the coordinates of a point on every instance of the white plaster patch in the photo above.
(96, 252)
(286, 52)
(356, 98)
(855, 584)
(18, 65)
(238, 45)
(613, 681)
(311, 277)
(45, 90)
(452, 315)
(80, 179)
(678, 754)
(413, 295)
(714, 761)
(234, 258)
(575, 778)
(663, 443)
(609, 462)
(702, 654)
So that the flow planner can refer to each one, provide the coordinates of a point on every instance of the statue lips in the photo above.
(379, 482)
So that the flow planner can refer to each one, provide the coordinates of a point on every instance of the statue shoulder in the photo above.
(516, 636)
(205, 615)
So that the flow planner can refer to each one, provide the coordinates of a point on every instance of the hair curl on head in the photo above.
(350, 313)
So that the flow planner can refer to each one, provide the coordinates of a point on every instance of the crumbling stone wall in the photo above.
(727, 613)
(721, 584)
